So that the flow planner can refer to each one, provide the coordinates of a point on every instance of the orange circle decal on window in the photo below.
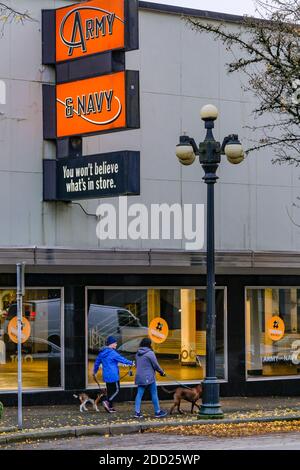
(276, 328)
(12, 329)
(158, 330)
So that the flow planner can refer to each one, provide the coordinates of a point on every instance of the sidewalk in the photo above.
(58, 421)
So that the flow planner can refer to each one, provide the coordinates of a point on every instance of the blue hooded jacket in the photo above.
(109, 358)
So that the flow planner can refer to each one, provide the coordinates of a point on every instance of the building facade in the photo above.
(79, 289)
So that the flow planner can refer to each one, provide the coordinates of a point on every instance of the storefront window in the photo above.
(273, 332)
(41, 347)
(128, 313)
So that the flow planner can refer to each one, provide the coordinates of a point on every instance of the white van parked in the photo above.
(104, 321)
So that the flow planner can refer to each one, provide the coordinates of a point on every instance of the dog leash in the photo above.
(95, 378)
(129, 373)
(176, 381)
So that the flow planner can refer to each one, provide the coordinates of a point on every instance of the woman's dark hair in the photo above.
(145, 343)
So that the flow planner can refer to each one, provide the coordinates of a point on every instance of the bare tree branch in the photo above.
(290, 217)
(269, 55)
(9, 15)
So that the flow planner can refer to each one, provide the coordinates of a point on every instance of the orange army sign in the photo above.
(158, 330)
(89, 28)
(91, 106)
(12, 329)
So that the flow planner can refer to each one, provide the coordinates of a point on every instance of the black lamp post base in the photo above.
(210, 412)
(210, 408)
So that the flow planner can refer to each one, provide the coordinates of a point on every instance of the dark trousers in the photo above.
(113, 389)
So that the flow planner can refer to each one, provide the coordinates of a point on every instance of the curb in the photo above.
(8, 429)
(203, 422)
(119, 429)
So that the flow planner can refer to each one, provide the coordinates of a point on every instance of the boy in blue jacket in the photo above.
(109, 358)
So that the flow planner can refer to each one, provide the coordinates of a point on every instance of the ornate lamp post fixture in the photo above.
(209, 153)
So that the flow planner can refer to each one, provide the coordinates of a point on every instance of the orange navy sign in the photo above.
(92, 106)
(87, 28)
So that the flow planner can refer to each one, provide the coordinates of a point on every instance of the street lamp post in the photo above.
(209, 153)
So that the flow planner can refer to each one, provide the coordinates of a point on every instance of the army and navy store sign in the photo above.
(92, 106)
(88, 28)
(93, 176)
(93, 94)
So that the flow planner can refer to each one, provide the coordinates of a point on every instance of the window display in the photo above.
(128, 313)
(41, 339)
(272, 332)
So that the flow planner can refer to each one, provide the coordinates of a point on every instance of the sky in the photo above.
(235, 7)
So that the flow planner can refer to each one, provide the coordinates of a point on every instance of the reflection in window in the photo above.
(127, 314)
(41, 352)
(272, 332)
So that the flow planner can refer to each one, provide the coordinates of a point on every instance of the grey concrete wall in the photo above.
(180, 72)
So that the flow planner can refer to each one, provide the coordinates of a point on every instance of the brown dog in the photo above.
(84, 398)
(191, 395)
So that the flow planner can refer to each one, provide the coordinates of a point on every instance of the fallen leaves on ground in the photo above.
(230, 430)
(275, 413)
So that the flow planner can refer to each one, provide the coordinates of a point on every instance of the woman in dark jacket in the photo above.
(146, 366)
